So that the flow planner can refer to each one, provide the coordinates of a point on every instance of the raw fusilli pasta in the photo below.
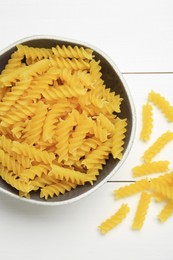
(75, 64)
(14, 181)
(56, 189)
(72, 52)
(157, 146)
(9, 162)
(141, 211)
(151, 167)
(147, 120)
(162, 187)
(162, 104)
(131, 189)
(158, 197)
(12, 96)
(166, 212)
(114, 220)
(66, 174)
(33, 171)
(14, 62)
(33, 153)
(36, 123)
(33, 53)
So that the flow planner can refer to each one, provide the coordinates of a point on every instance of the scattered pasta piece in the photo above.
(149, 168)
(131, 189)
(162, 104)
(147, 119)
(141, 211)
(157, 146)
(166, 212)
(158, 197)
(162, 187)
(114, 220)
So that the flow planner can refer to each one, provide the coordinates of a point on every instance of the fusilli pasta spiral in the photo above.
(56, 189)
(114, 220)
(157, 146)
(72, 52)
(131, 189)
(33, 53)
(166, 212)
(151, 167)
(33, 153)
(14, 181)
(66, 174)
(141, 211)
(162, 104)
(147, 120)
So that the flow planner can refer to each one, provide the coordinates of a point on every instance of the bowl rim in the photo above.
(133, 129)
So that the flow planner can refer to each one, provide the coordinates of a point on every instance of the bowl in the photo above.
(112, 78)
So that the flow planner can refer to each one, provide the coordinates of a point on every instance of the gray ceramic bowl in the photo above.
(115, 81)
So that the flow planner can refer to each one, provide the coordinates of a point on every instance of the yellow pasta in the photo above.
(56, 189)
(12, 96)
(36, 123)
(33, 153)
(75, 64)
(3, 91)
(162, 104)
(118, 138)
(15, 181)
(80, 133)
(14, 62)
(147, 120)
(149, 168)
(114, 220)
(158, 197)
(72, 52)
(165, 178)
(51, 119)
(9, 162)
(97, 156)
(66, 174)
(6, 145)
(22, 111)
(33, 171)
(157, 146)
(166, 212)
(141, 211)
(162, 187)
(131, 189)
(58, 120)
(95, 73)
(33, 53)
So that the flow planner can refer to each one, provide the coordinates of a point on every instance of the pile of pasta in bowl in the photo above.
(59, 122)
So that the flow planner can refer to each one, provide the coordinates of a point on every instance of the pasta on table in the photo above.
(158, 189)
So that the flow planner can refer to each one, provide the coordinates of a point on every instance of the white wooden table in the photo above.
(138, 36)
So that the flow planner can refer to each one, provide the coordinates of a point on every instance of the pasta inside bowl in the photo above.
(61, 86)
